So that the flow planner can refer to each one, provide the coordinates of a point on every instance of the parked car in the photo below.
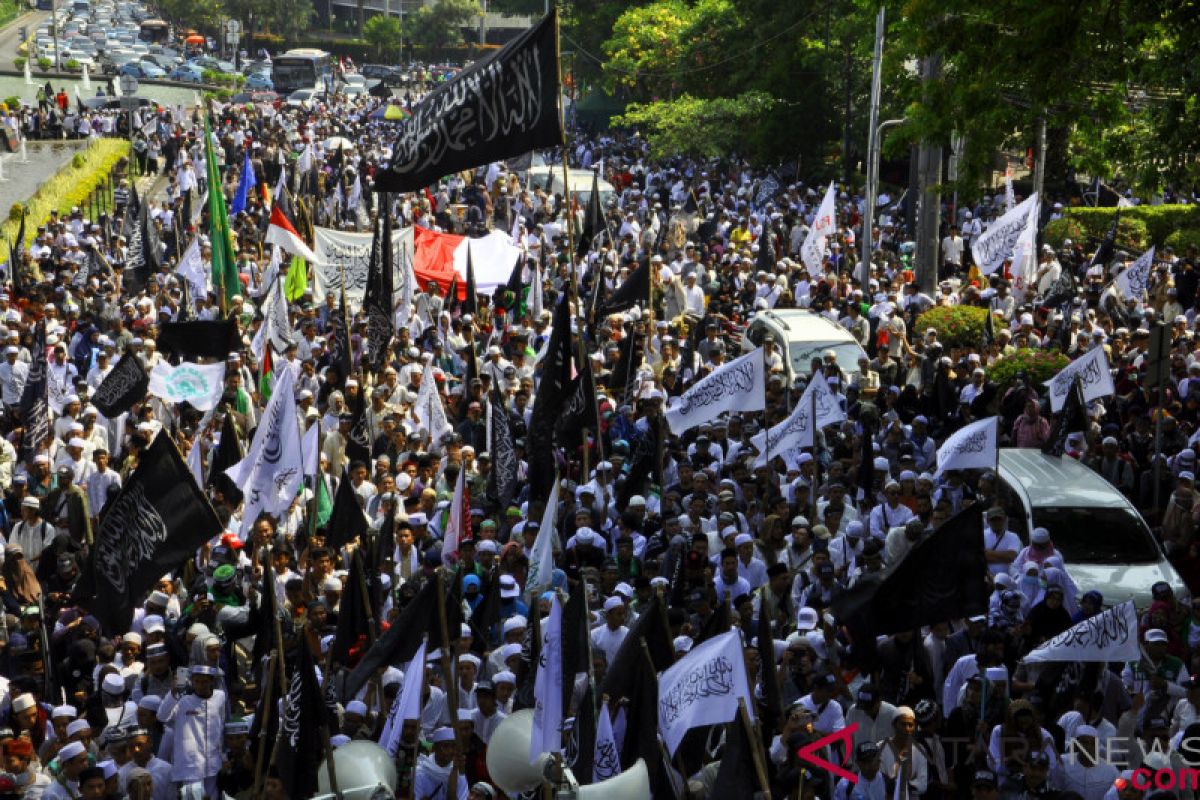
(187, 73)
(142, 70)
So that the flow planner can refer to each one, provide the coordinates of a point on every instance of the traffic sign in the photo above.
(128, 84)
(233, 27)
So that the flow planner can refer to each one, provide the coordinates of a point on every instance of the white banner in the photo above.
(191, 268)
(1095, 379)
(999, 240)
(541, 559)
(1133, 281)
(797, 430)
(812, 252)
(1109, 636)
(1024, 257)
(703, 688)
(273, 470)
(548, 690)
(739, 385)
(970, 447)
(349, 254)
(198, 384)
(428, 409)
(276, 327)
(606, 757)
(408, 705)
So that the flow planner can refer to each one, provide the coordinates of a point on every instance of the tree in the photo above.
(440, 25)
(383, 34)
(691, 126)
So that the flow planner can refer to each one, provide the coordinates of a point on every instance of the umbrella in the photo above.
(338, 142)
(396, 113)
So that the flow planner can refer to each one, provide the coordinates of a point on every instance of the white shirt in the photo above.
(606, 639)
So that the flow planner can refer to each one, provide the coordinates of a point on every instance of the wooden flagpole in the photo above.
(562, 122)
(760, 766)
(268, 709)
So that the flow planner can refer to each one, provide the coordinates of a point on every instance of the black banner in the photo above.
(943, 576)
(347, 519)
(305, 715)
(547, 404)
(35, 405)
(339, 345)
(579, 412)
(502, 479)
(400, 641)
(125, 385)
(200, 338)
(635, 289)
(157, 522)
(593, 221)
(377, 299)
(354, 612)
(502, 106)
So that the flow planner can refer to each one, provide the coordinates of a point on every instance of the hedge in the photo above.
(1132, 234)
(1183, 240)
(70, 186)
(956, 326)
(1038, 365)
(1159, 223)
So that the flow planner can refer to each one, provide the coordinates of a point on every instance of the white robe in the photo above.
(198, 727)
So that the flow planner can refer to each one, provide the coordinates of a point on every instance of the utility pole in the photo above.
(54, 31)
(872, 150)
(929, 178)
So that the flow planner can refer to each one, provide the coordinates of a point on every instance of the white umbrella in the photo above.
(338, 142)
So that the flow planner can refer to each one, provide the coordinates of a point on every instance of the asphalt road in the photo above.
(9, 41)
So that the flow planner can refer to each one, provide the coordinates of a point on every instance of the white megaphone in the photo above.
(365, 771)
(509, 767)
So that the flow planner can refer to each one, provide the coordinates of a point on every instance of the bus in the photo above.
(305, 68)
(154, 31)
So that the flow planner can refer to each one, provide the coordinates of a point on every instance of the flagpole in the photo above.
(662, 748)
(451, 685)
(562, 124)
(756, 754)
(268, 709)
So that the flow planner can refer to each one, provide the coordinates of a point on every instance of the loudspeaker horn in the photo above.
(508, 755)
(364, 770)
(632, 784)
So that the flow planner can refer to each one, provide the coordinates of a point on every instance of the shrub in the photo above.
(1158, 222)
(72, 65)
(19, 62)
(16, 212)
(956, 326)
(1183, 239)
(1038, 365)
(12, 103)
(1059, 230)
(77, 161)
(44, 63)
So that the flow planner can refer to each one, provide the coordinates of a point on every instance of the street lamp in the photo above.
(868, 223)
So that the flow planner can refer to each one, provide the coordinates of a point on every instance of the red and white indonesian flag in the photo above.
(282, 233)
(442, 256)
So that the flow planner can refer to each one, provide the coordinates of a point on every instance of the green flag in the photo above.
(324, 502)
(297, 280)
(224, 265)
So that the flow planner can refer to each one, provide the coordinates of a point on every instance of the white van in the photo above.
(1104, 542)
(803, 336)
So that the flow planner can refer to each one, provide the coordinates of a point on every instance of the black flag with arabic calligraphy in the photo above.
(124, 385)
(158, 521)
(502, 479)
(305, 715)
(501, 106)
(377, 299)
(548, 403)
(35, 404)
(579, 412)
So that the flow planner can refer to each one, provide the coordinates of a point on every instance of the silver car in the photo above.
(1104, 542)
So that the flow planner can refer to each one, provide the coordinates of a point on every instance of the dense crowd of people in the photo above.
(715, 536)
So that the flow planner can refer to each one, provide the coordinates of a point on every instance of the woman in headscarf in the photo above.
(21, 587)
(1049, 616)
(1057, 576)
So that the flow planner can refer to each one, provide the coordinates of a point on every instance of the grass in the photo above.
(70, 186)
(9, 10)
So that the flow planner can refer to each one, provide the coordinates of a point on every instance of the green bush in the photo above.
(956, 326)
(1183, 239)
(72, 65)
(45, 63)
(1059, 230)
(1159, 222)
(19, 62)
(77, 161)
(13, 102)
(16, 212)
(1038, 365)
